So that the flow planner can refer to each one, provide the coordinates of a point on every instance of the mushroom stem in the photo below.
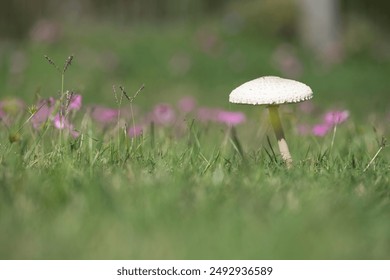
(278, 129)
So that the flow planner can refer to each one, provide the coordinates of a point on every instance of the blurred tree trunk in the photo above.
(17, 16)
(320, 24)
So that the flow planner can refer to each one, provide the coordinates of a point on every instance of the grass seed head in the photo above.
(68, 62)
(52, 63)
(124, 93)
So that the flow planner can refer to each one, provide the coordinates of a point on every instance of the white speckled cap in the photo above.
(270, 90)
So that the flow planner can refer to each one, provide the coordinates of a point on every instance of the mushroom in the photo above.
(273, 91)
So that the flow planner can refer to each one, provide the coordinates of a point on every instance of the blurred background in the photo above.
(199, 48)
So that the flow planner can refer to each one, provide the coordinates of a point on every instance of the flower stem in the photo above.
(61, 102)
(333, 137)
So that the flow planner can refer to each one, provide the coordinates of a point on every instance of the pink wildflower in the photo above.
(163, 114)
(45, 109)
(187, 104)
(205, 114)
(331, 119)
(75, 102)
(60, 122)
(336, 117)
(104, 115)
(231, 118)
(134, 131)
(321, 129)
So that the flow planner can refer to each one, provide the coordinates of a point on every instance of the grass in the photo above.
(191, 195)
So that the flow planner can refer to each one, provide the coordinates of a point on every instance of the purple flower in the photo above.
(104, 115)
(336, 117)
(60, 122)
(134, 131)
(187, 104)
(321, 129)
(331, 119)
(45, 109)
(163, 114)
(231, 118)
(75, 102)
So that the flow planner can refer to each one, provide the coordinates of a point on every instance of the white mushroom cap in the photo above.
(270, 90)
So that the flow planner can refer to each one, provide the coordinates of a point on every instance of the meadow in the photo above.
(154, 172)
